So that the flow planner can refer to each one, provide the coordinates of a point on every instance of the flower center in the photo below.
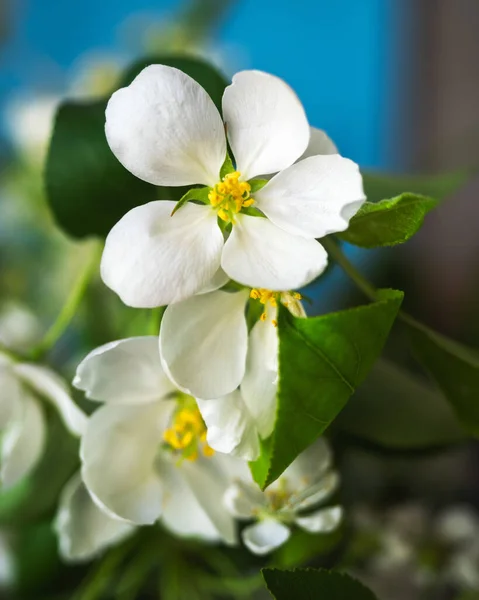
(186, 435)
(269, 298)
(229, 196)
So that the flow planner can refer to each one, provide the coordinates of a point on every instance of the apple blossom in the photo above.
(166, 130)
(144, 452)
(293, 499)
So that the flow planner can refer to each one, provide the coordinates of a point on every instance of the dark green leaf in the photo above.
(87, 188)
(322, 360)
(313, 584)
(388, 222)
(380, 186)
(397, 410)
(453, 367)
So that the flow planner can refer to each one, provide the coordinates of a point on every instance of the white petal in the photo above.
(51, 387)
(322, 521)
(259, 385)
(242, 499)
(259, 254)
(265, 122)
(10, 394)
(316, 493)
(219, 280)
(208, 482)
(165, 129)
(83, 529)
(314, 197)
(118, 451)
(203, 343)
(231, 427)
(127, 371)
(319, 143)
(152, 258)
(182, 513)
(265, 536)
(310, 466)
(22, 442)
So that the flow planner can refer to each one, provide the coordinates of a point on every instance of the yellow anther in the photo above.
(263, 316)
(275, 323)
(254, 294)
(297, 296)
(187, 433)
(230, 196)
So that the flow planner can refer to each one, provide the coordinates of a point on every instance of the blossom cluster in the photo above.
(183, 412)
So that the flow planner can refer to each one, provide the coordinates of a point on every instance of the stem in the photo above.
(335, 251)
(69, 310)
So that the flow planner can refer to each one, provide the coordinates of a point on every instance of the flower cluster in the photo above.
(182, 413)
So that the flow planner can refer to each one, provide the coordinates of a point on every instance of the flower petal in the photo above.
(265, 536)
(203, 343)
(51, 387)
(84, 530)
(231, 428)
(321, 521)
(266, 124)
(316, 493)
(319, 143)
(22, 441)
(259, 254)
(118, 452)
(182, 513)
(165, 129)
(259, 385)
(243, 499)
(127, 371)
(152, 258)
(218, 281)
(208, 481)
(310, 466)
(313, 197)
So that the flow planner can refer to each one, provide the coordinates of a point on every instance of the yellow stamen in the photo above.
(291, 300)
(187, 433)
(230, 196)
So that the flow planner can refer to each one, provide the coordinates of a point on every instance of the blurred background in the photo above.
(395, 83)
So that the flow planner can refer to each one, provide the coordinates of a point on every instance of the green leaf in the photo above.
(322, 360)
(87, 188)
(314, 584)
(396, 410)
(200, 194)
(388, 222)
(303, 547)
(227, 167)
(381, 186)
(453, 367)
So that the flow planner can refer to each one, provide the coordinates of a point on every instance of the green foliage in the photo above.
(313, 584)
(303, 546)
(388, 222)
(322, 360)
(257, 184)
(87, 188)
(453, 367)
(394, 409)
(379, 186)
(200, 194)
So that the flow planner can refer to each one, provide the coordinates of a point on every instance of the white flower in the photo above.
(144, 453)
(22, 420)
(165, 129)
(291, 500)
(206, 350)
(83, 529)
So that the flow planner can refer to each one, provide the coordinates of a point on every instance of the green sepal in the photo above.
(200, 194)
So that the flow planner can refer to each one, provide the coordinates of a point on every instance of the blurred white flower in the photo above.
(19, 327)
(22, 420)
(293, 499)
(166, 130)
(30, 122)
(83, 529)
(144, 453)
